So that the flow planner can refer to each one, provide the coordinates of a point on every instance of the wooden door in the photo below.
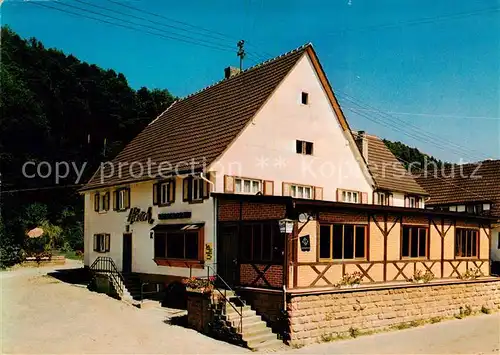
(127, 253)
(227, 254)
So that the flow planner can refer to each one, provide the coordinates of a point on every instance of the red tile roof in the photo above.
(460, 184)
(387, 172)
(200, 126)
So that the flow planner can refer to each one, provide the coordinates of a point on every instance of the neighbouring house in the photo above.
(202, 190)
(469, 188)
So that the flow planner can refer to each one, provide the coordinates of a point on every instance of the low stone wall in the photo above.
(266, 304)
(315, 317)
(199, 313)
(45, 261)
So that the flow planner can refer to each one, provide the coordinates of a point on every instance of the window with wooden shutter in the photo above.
(165, 193)
(126, 202)
(107, 242)
(186, 189)
(97, 200)
(207, 187)
(318, 193)
(228, 184)
(102, 242)
(155, 193)
(105, 201)
(286, 189)
(268, 187)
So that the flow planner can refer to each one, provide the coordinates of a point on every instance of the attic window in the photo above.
(305, 98)
(303, 147)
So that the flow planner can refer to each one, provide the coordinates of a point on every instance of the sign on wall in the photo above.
(208, 251)
(174, 215)
(305, 243)
(136, 215)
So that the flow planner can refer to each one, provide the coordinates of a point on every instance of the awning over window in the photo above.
(177, 227)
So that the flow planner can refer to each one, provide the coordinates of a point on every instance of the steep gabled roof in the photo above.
(199, 127)
(475, 182)
(387, 172)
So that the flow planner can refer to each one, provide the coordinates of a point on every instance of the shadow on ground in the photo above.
(180, 320)
(78, 276)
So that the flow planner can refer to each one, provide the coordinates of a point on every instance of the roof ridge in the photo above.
(258, 65)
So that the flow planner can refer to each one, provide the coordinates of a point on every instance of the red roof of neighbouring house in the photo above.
(474, 182)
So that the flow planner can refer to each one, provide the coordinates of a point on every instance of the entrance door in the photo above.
(227, 254)
(127, 253)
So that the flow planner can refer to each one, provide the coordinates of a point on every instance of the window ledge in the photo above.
(195, 264)
(196, 201)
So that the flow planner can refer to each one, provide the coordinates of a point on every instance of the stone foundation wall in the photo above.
(199, 313)
(267, 305)
(314, 317)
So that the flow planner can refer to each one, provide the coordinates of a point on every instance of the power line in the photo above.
(415, 131)
(434, 115)
(179, 37)
(195, 27)
(395, 128)
(424, 20)
(124, 26)
(145, 19)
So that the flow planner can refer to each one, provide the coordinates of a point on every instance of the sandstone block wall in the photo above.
(315, 316)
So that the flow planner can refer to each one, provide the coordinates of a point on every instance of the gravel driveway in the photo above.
(42, 315)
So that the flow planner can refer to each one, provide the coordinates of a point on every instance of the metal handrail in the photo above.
(240, 312)
(107, 265)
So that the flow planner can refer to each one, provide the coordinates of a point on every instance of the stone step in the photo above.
(250, 333)
(271, 346)
(257, 341)
(230, 309)
(247, 315)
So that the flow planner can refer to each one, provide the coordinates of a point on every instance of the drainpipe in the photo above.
(214, 239)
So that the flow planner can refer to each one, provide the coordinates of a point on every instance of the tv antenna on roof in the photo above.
(241, 52)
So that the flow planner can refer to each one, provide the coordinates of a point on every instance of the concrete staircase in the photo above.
(254, 332)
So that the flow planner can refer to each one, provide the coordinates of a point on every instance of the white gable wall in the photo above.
(266, 149)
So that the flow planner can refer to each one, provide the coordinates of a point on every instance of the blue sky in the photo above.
(423, 72)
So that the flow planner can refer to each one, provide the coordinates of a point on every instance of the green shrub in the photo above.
(485, 310)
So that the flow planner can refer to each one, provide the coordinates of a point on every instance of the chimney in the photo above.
(362, 144)
(229, 72)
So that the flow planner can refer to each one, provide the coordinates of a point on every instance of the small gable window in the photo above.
(303, 147)
(305, 98)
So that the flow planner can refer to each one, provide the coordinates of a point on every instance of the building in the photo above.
(201, 190)
(470, 188)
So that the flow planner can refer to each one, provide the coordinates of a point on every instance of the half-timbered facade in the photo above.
(469, 188)
(174, 202)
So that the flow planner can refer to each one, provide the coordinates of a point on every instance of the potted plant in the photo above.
(419, 277)
(200, 285)
(350, 280)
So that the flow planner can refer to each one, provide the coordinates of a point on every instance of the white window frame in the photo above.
(164, 193)
(121, 199)
(349, 196)
(412, 202)
(197, 187)
(103, 198)
(254, 185)
(299, 191)
(453, 208)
